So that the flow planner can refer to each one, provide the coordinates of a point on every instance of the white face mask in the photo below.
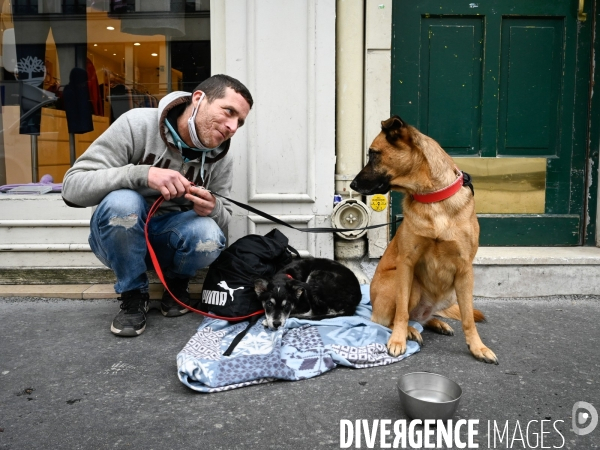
(192, 127)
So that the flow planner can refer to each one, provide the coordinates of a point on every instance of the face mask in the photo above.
(192, 127)
(193, 136)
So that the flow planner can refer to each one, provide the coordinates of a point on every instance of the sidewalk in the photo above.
(67, 383)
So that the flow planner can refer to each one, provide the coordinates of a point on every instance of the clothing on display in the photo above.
(124, 95)
(94, 89)
(77, 103)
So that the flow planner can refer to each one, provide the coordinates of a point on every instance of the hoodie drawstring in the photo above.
(177, 139)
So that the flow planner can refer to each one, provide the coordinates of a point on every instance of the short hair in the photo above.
(214, 88)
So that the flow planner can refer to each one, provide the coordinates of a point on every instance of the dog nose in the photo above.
(276, 324)
(353, 185)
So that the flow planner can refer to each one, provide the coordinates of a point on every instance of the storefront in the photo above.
(118, 55)
(70, 68)
(323, 75)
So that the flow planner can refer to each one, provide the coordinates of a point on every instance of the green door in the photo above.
(502, 79)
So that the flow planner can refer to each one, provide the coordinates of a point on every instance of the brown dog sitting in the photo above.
(428, 266)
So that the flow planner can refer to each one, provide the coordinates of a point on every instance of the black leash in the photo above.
(236, 340)
(304, 230)
(467, 181)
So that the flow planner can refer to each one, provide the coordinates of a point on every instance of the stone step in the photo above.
(81, 291)
(35, 207)
(21, 233)
(66, 276)
(499, 271)
(538, 256)
(48, 256)
(532, 271)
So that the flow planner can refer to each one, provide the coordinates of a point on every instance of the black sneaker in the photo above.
(131, 320)
(179, 288)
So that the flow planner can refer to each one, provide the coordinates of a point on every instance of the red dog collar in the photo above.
(442, 194)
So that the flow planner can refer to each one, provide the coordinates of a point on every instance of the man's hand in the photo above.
(204, 202)
(169, 183)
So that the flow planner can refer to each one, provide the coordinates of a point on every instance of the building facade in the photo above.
(507, 89)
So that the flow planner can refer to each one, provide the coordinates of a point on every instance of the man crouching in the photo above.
(149, 152)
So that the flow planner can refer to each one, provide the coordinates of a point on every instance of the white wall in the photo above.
(284, 52)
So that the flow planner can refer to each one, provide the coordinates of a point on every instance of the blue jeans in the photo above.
(183, 241)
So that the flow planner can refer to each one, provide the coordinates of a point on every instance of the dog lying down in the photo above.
(312, 288)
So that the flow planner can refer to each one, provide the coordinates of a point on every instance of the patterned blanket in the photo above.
(302, 349)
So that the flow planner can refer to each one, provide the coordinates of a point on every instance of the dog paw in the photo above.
(484, 354)
(439, 326)
(413, 335)
(396, 347)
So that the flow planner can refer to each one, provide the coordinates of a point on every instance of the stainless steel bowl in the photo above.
(425, 395)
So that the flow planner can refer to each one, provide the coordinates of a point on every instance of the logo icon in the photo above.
(580, 418)
(223, 284)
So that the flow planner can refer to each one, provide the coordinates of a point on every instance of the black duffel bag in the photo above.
(228, 288)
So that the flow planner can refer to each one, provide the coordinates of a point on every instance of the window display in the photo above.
(72, 67)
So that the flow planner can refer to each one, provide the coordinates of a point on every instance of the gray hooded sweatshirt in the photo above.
(139, 139)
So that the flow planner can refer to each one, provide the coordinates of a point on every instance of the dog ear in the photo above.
(260, 286)
(394, 128)
(299, 291)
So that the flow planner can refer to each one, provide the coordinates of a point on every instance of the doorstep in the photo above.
(509, 272)
(538, 256)
(536, 271)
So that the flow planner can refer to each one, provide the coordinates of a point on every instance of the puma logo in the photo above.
(223, 284)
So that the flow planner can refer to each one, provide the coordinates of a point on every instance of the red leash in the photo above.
(153, 209)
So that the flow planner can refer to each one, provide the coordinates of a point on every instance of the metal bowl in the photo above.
(425, 395)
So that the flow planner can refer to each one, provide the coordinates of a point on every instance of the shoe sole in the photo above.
(174, 313)
(127, 331)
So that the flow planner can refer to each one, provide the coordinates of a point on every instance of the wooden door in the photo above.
(502, 79)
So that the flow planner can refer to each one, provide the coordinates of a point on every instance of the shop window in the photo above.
(72, 67)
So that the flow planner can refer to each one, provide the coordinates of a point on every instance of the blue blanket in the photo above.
(302, 349)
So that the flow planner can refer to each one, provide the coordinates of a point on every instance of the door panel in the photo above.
(530, 74)
(497, 79)
(453, 77)
(284, 157)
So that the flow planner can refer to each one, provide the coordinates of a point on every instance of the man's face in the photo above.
(218, 121)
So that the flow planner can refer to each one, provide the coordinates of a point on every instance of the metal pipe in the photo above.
(34, 158)
(349, 92)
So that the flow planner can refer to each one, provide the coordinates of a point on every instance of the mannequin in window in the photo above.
(76, 100)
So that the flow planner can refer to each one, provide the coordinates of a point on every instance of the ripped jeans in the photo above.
(183, 241)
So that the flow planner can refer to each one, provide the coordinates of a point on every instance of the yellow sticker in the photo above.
(378, 202)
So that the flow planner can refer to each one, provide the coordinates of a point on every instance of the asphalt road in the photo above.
(67, 383)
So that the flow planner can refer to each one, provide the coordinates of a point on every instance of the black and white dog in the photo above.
(313, 288)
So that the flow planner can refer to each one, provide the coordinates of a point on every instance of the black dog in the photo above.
(313, 288)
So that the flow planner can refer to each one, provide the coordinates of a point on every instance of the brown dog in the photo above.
(428, 266)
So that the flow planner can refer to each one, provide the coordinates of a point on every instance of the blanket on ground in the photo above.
(302, 349)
